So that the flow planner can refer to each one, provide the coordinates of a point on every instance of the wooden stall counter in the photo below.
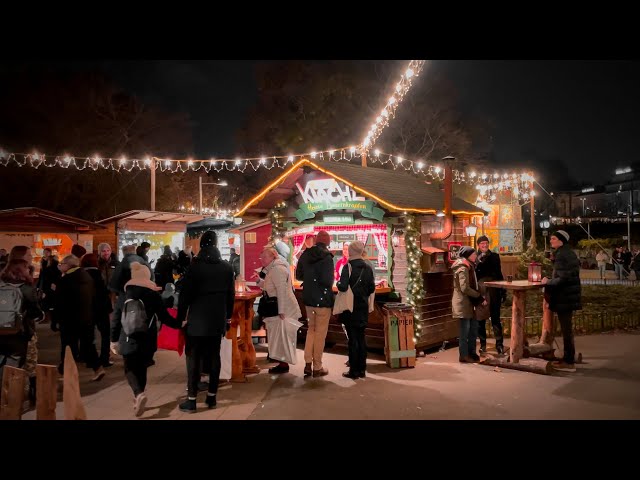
(379, 290)
(243, 356)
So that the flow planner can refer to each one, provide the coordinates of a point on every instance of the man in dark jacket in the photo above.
(563, 293)
(234, 260)
(488, 268)
(107, 262)
(73, 312)
(208, 296)
(315, 269)
(165, 267)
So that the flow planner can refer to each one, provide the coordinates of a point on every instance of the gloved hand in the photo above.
(115, 348)
(54, 326)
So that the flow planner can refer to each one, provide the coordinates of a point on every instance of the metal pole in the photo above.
(153, 184)
(532, 242)
(200, 193)
(629, 221)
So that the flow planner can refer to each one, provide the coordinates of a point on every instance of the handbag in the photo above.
(171, 339)
(268, 306)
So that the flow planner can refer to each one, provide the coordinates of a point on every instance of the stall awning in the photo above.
(161, 217)
(392, 190)
(31, 219)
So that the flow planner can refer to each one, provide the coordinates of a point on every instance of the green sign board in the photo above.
(338, 219)
(366, 208)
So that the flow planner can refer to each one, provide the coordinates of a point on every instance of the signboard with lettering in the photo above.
(454, 248)
(338, 219)
(328, 194)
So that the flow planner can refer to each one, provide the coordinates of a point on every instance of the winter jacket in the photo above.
(16, 345)
(362, 283)
(465, 286)
(164, 270)
(563, 291)
(207, 294)
(122, 273)
(234, 260)
(277, 283)
(483, 312)
(101, 302)
(144, 343)
(602, 258)
(49, 276)
(315, 269)
(488, 267)
(74, 299)
(107, 268)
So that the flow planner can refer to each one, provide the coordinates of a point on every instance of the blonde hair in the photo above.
(71, 260)
(271, 250)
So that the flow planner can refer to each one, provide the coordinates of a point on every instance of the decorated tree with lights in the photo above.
(276, 215)
(415, 285)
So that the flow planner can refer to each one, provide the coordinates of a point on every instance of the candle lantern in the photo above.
(535, 272)
(241, 285)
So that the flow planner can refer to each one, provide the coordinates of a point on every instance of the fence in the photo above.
(582, 323)
(609, 281)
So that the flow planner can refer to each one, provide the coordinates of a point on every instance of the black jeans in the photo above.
(495, 300)
(104, 327)
(357, 349)
(567, 336)
(84, 336)
(135, 370)
(468, 334)
(197, 350)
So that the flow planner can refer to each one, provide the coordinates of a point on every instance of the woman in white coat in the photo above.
(277, 283)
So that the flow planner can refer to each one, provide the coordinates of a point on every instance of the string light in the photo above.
(415, 283)
(400, 90)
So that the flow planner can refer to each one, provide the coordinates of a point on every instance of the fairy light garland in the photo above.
(277, 220)
(415, 284)
(412, 70)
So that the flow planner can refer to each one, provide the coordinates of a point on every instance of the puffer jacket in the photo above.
(315, 269)
(277, 283)
(465, 286)
(563, 291)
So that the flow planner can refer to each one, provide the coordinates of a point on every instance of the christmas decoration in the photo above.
(415, 286)
(276, 216)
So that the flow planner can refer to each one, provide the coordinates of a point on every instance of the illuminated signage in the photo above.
(327, 190)
(588, 189)
(620, 171)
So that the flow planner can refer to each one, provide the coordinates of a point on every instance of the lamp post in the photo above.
(201, 183)
(583, 208)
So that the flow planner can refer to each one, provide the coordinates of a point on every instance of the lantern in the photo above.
(535, 272)
(241, 285)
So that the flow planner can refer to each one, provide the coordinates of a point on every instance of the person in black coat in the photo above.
(73, 313)
(49, 276)
(101, 306)
(315, 269)
(207, 297)
(362, 283)
(563, 293)
(138, 348)
(488, 268)
(165, 267)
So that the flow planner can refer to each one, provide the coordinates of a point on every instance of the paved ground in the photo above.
(606, 386)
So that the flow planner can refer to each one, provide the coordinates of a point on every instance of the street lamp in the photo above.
(200, 183)
(583, 210)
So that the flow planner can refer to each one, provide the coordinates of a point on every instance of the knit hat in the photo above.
(466, 252)
(482, 238)
(167, 250)
(141, 277)
(78, 250)
(208, 239)
(356, 249)
(561, 235)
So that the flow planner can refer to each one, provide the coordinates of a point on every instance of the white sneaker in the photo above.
(139, 404)
(99, 375)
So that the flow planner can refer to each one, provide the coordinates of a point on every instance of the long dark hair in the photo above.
(17, 271)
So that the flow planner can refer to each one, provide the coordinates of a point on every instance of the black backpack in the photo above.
(134, 317)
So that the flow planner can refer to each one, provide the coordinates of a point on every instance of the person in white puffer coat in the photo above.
(277, 283)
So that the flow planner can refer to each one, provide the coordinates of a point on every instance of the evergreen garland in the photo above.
(415, 285)
(276, 215)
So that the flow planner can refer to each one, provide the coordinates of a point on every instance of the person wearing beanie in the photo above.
(138, 348)
(488, 269)
(465, 297)
(208, 295)
(564, 295)
(78, 250)
(315, 270)
(359, 277)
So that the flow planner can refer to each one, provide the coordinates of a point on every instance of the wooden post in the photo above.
(364, 160)
(12, 393)
(153, 184)
(517, 325)
(73, 407)
(237, 374)
(249, 361)
(46, 392)
(547, 324)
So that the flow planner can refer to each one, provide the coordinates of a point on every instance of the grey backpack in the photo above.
(11, 310)
(134, 317)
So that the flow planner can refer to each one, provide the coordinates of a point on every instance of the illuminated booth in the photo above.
(40, 229)
(401, 221)
(137, 226)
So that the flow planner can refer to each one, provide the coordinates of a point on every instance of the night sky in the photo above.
(583, 113)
